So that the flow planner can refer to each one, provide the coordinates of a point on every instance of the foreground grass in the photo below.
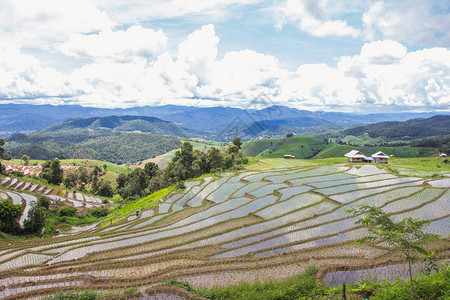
(304, 286)
(421, 166)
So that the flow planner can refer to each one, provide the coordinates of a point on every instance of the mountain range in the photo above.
(218, 123)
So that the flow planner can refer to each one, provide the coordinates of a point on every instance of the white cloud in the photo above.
(409, 21)
(382, 74)
(199, 51)
(118, 45)
(35, 23)
(313, 17)
(23, 77)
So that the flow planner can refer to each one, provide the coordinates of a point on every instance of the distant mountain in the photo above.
(211, 122)
(114, 139)
(121, 123)
(414, 128)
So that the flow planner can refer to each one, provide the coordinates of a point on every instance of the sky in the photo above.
(346, 55)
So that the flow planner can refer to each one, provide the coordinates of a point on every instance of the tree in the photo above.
(406, 236)
(187, 155)
(151, 169)
(36, 218)
(233, 149)
(52, 172)
(25, 159)
(9, 213)
(2, 143)
(237, 142)
(215, 158)
(104, 189)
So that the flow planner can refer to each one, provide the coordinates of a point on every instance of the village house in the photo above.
(380, 157)
(357, 156)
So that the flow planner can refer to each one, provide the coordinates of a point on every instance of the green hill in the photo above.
(311, 147)
(121, 123)
(299, 146)
(335, 150)
(414, 128)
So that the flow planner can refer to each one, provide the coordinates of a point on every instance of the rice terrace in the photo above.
(271, 221)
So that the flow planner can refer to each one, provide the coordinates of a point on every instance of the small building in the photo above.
(442, 154)
(355, 156)
(289, 156)
(380, 157)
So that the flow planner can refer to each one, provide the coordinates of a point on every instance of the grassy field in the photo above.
(299, 146)
(430, 166)
(334, 150)
(309, 147)
(264, 224)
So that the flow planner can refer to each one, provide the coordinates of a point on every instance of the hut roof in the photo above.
(380, 154)
(355, 154)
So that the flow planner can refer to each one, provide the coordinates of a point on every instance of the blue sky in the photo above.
(347, 55)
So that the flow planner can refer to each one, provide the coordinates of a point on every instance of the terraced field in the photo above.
(254, 225)
(22, 192)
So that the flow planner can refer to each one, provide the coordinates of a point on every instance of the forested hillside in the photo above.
(115, 147)
(414, 128)
(122, 123)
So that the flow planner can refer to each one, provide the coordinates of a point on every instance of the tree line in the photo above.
(187, 163)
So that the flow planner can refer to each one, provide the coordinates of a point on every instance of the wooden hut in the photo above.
(380, 157)
(355, 156)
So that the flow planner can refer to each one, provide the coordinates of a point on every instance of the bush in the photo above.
(43, 202)
(87, 295)
(99, 212)
(180, 185)
(434, 286)
(67, 211)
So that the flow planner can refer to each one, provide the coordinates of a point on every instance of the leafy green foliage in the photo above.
(293, 288)
(98, 141)
(36, 219)
(433, 286)
(187, 163)
(237, 142)
(87, 295)
(2, 149)
(67, 211)
(405, 236)
(52, 172)
(9, 213)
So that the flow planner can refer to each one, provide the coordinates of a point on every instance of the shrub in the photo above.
(180, 185)
(67, 211)
(43, 202)
(99, 212)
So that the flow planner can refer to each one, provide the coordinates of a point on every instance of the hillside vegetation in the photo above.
(311, 147)
(299, 146)
(121, 123)
(114, 147)
(414, 128)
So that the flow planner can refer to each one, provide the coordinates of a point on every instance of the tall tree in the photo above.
(237, 142)
(151, 169)
(2, 143)
(407, 236)
(9, 213)
(25, 159)
(52, 172)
